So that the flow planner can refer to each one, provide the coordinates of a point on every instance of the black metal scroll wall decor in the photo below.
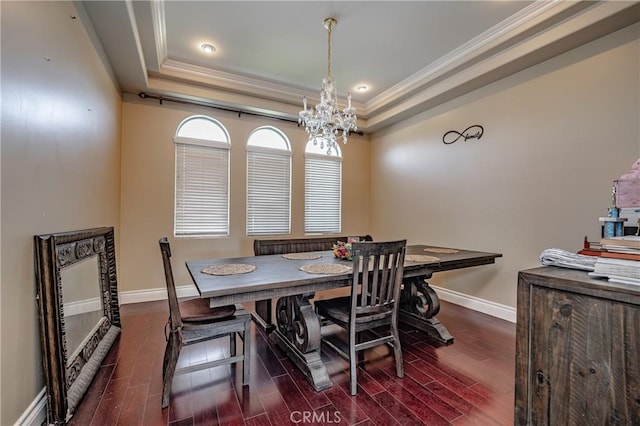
(472, 132)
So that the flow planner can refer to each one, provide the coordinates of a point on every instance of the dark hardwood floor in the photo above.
(470, 382)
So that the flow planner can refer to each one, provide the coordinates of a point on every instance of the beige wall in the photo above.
(148, 164)
(60, 167)
(555, 137)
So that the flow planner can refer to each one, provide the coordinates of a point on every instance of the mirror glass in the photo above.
(82, 303)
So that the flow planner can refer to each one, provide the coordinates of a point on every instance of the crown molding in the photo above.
(229, 81)
(484, 59)
(595, 22)
(160, 30)
(181, 71)
(508, 32)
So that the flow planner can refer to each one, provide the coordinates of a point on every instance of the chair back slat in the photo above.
(174, 309)
(373, 297)
(365, 287)
(377, 277)
(384, 280)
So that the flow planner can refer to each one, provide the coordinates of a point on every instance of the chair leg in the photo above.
(165, 361)
(397, 350)
(353, 362)
(359, 354)
(171, 354)
(246, 341)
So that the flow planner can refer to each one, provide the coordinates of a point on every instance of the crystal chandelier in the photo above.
(324, 124)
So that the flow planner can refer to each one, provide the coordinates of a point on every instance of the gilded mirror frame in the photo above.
(66, 379)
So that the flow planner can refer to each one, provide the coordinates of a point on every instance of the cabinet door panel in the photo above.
(577, 350)
(585, 365)
(625, 365)
(592, 371)
(552, 325)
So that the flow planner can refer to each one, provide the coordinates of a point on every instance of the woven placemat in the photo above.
(421, 258)
(302, 256)
(441, 250)
(325, 268)
(229, 269)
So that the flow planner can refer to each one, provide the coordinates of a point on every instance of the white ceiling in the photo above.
(412, 54)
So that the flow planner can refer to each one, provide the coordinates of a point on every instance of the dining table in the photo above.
(294, 278)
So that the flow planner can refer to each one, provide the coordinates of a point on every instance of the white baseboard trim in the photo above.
(138, 296)
(488, 307)
(36, 412)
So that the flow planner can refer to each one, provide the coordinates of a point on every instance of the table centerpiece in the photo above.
(342, 250)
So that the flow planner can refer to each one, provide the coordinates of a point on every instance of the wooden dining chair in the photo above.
(193, 321)
(370, 313)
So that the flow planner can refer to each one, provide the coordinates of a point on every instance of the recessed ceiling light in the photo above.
(362, 88)
(208, 48)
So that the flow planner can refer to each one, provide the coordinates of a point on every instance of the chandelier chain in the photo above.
(329, 27)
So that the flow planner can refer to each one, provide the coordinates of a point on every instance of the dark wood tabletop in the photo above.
(449, 261)
(276, 276)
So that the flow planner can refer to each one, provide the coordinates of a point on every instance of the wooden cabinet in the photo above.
(577, 350)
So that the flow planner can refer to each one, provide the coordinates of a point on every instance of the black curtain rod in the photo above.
(161, 99)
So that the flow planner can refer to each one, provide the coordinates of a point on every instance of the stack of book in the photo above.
(619, 260)
(627, 247)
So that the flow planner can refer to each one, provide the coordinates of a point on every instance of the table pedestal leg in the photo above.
(419, 305)
(298, 334)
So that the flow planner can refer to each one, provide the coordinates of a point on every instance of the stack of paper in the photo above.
(566, 259)
(617, 270)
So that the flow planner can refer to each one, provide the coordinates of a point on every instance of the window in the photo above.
(268, 182)
(323, 190)
(202, 178)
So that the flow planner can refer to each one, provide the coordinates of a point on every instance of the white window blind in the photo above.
(268, 193)
(202, 178)
(323, 195)
(202, 190)
(268, 182)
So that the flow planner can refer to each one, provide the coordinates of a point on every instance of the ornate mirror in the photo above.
(77, 296)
